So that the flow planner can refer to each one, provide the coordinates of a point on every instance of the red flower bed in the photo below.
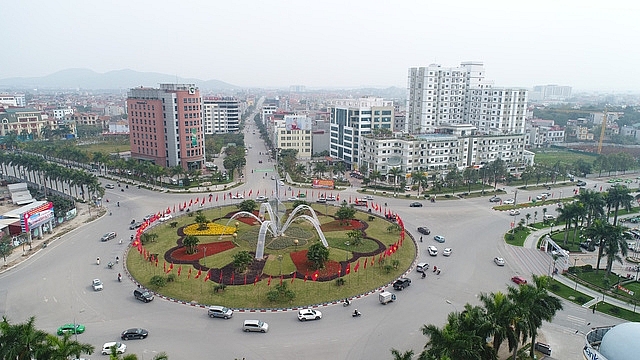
(304, 266)
(346, 225)
(248, 220)
(180, 253)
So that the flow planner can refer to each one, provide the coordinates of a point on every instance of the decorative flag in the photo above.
(256, 280)
(355, 268)
(190, 202)
(233, 277)
(208, 276)
(339, 272)
(338, 197)
(269, 282)
(244, 193)
(250, 191)
(373, 259)
(198, 274)
(170, 268)
(306, 192)
(220, 280)
(224, 197)
(174, 207)
(349, 199)
(380, 258)
(156, 261)
(294, 277)
(365, 263)
(189, 274)
(245, 278)
(216, 197)
(164, 266)
(280, 280)
(348, 269)
(315, 275)
(179, 269)
(306, 276)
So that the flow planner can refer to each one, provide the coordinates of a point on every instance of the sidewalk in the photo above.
(18, 256)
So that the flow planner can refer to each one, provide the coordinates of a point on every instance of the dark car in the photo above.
(402, 283)
(415, 204)
(581, 183)
(143, 295)
(135, 225)
(424, 230)
(495, 199)
(136, 333)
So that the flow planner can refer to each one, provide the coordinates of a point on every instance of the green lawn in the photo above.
(548, 157)
(568, 293)
(618, 312)
(254, 296)
(519, 236)
(107, 147)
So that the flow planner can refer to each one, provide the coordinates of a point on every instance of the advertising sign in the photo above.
(323, 184)
(297, 122)
(36, 217)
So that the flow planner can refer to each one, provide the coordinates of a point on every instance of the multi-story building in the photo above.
(16, 100)
(26, 123)
(61, 113)
(550, 93)
(113, 110)
(165, 125)
(352, 118)
(220, 115)
(90, 119)
(438, 96)
(538, 135)
(293, 132)
(268, 109)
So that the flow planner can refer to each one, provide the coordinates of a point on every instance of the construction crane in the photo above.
(604, 127)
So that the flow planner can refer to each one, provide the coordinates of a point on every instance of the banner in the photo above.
(323, 184)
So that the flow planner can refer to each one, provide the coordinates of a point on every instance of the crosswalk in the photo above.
(530, 261)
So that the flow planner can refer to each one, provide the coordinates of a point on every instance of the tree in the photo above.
(319, 169)
(407, 355)
(355, 237)
(318, 254)
(419, 178)
(21, 341)
(201, 220)
(541, 307)
(63, 348)
(618, 196)
(598, 232)
(615, 243)
(191, 243)
(499, 312)
(375, 175)
(345, 213)
(395, 172)
(241, 260)
(594, 204)
(6, 247)
(247, 205)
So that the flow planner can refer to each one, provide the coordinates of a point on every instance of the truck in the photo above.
(386, 297)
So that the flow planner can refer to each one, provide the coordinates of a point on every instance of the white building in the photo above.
(61, 113)
(113, 110)
(497, 109)
(220, 115)
(352, 118)
(14, 100)
(294, 132)
(268, 109)
(550, 93)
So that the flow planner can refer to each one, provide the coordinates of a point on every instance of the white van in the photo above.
(549, 217)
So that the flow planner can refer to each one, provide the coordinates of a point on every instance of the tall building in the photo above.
(24, 122)
(550, 93)
(352, 118)
(293, 132)
(442, 96)
(15, 100)
(220, 115)
(166, 125)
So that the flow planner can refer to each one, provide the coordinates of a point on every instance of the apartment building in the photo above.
(353, 118)
(294, 132)
(26, 123)
(61, 113)
(220, 115)
(497, 109)
(13, 100)
(166, 126)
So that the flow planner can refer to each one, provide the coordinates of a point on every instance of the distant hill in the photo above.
(117, 79)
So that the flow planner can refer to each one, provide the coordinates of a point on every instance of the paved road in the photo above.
(54, 285)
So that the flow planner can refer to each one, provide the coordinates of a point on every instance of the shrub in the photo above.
(219, 287)
(340, 282)
(171, 278)
(614, 310)
(158, 281)
(407, 195)
(387, 268)
(581, 299)
(587, 268)
(371, 218)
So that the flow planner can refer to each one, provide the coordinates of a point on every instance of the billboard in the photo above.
(322, 184)
(297, 122)
(36, 217)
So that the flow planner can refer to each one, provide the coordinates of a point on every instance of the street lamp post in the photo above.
(574, 270)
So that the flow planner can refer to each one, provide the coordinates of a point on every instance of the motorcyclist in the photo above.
(119, 277)
(347, 302)
(118, 203)
(356, 312)
(117, 259)
(424, 275)
(98, 261)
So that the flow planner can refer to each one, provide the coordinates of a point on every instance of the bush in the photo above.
(387, 268)
(158, 281)
(371, 218)
(219, 287)
(614, 310)
(587, 268)
(171, 278)
(581, 299)
(407, 195)
(340, 282)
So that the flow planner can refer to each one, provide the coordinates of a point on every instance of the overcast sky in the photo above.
(589, 45)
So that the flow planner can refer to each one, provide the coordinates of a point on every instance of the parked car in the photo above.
(446, 252)
(71, 328)
(514, 212)
(262, 198)
(220, 312)
(331, 198)
(135, 333)
(108, 236)
(499, 261)
(415, 204)
(549, 217)
(255, 326)
(166, 217)
(509, 202)
(422, 267)
(439, 238)
(424, 230)
(321, 200)
(120, 347)
(495, 199)
(368, 197)
(581, 183)
(309, 314)
(237, 196)
(143, 295)
(97, 285)
(109, 186)
(433, 251)
(519, 280)
(293, 198)
(135, 225)
(401, 283)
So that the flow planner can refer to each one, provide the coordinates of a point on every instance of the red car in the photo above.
(519, 280)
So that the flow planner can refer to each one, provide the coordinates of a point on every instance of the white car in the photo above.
(433, 251)
(514, 212)
(97, 285)
(237, 196)
(109, 186)
(509, 202)
(309, 314)
(446, 252)
(120, 347)
(261, 198)
(499, 261)
(293, 199)
(368, 197)
(166, 217)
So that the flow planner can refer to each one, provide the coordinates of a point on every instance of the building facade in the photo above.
(496, 109)
(61, 113)
(353, 118)
(26, 123)
(13, 100)
(294, 132)
(165, 125)
(220, 115)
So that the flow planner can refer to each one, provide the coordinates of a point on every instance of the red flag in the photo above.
(170, 268)
(250, 192)
(339, 272)
(306, 276)
(365, 263)
(216, 197)
(306, 193)
(338, 197)
(258, 192)
(373, 259)
(233, 277)
(315, 275)
(269, 282)
(190, 202)
(164, 266)
(355, 268)
(208, 276)
(189, 274)
(294, 277)
(224, 197)
(349, 199)
(280, 280)
(245, 278)
(380, 258)
(156, 261)
(256, 280)
(179, 269)
(202, 202)
(220, 280)
(198, 274)
(348, 269)
(185, 205)
(174, 207)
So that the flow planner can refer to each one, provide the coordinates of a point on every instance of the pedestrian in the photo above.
(438, 272)
(420, 238)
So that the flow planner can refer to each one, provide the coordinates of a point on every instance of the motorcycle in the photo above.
(119, 277)
(424, 275)
(110, 265)
(346, 303)
(356, 313)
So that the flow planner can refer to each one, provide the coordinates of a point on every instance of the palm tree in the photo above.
(21, 341)
(499, 312)
(519, 320)
(375, 175)
(62, 348)
(542, 306)
(594, 204)
(528, 217)
(615, 243)
(566, 214)
(407, 355)
(395, 172)
(618, 196)
(418, 177)
(319, 169)
(598, 232)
